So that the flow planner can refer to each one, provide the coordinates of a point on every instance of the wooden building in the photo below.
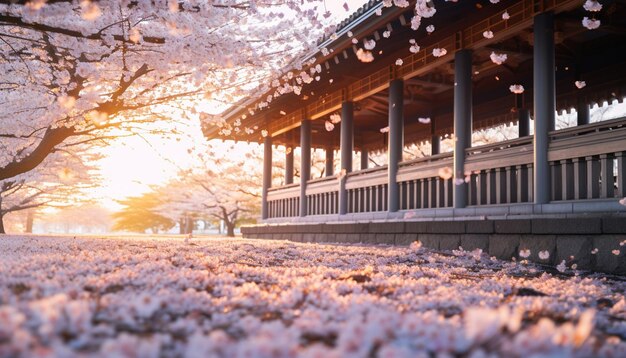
(572, 177)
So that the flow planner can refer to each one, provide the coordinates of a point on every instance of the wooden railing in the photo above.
(322, 196)
(424, 184)
(500, 173)
(284, 202)
(588, 162)
(367, 190)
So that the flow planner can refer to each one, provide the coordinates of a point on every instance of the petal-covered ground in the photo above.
(164, 297)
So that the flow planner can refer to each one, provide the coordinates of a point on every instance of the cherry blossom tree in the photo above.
(224, 186)
(62, 180)
(84, 71)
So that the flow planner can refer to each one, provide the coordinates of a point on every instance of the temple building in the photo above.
(472, 66)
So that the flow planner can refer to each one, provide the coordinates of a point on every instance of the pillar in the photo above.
(582, 110)
(365, 158)
(267, 175)
(462, 121)
(523, 122)
(435, 144)
(330, 161)
(289, 166)
(395, 142)
(544, 102)
(347, 147)
(305, 162)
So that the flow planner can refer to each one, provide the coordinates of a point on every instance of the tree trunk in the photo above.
(189, 225)
(30, 218)
(181, 226)
(2, 224)
(230, 229)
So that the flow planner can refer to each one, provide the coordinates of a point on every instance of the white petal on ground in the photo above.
(157, 296)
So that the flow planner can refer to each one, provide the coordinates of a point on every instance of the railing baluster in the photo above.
(432, 194)
(511, 185)
(327, 207)
(482, 188)
(567, 180)
(621, 173)
(471, 189)
(593, 177)
(501, 188)
(491, 186)
(439, 187)
(447, 197)
(423, 193)
(522, 183)
(556, 180)
(383, 198)
(607, 188)
(580, 178)
(531, 182)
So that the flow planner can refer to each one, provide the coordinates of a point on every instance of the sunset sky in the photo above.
(134, 164)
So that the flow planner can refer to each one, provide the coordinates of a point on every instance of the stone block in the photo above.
(330, 228)
(449, 242)
(429, 240)
(405, 239)
(475, 241)
(479, 227)
(537, 243)
(329, 237)
(385, 238)
(578, 226)
(605, 259)
(521, 209)
(361, 228)
(512, 226)
(353, 238)
(341, 237)
(574, 249)
(446, 227)
(386, 227)
(614, 225)
(504, 247)
(245, 230)
(320, 237)
(416, 227)
(308, 237)
(367, 238)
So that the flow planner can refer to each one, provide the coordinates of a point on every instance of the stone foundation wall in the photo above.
(572, 240)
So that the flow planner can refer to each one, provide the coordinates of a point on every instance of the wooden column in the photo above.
(364, 159)
(346, 147)
(435, 139)
(462, 120)
(267, 175)
(305, 163)
(396, 142)
(544, 102)
(289, 166)
(330, 161)
(582, 113)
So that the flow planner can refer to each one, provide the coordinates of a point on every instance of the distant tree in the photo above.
(224, 187)
(139, 214)
(62, 180)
